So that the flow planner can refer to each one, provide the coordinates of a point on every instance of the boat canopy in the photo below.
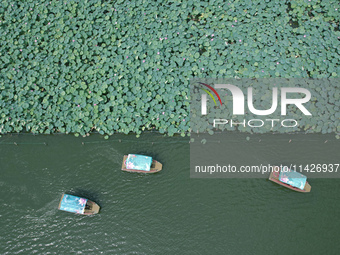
(293, 178)
(73, 204)
(138, 162)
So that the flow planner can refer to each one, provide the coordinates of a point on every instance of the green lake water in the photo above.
(163, 213)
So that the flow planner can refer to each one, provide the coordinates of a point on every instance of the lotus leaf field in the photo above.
(124, 66)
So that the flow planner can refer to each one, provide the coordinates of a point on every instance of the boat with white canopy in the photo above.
(290, 179)
(79, 205)
(140, 164)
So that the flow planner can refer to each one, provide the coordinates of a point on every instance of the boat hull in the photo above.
(155, 167)
(274, 177)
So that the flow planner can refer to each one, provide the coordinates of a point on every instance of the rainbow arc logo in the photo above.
(209, 93)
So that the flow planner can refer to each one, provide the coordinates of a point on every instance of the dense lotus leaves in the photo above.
(124, 66)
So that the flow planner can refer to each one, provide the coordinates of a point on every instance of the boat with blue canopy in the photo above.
(79, 205)
(140, 164)
(290, 179)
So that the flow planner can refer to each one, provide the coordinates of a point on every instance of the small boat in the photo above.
(290, 179)
(140, 164)
(78, 205)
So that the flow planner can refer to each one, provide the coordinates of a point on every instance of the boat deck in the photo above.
(94, 208)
